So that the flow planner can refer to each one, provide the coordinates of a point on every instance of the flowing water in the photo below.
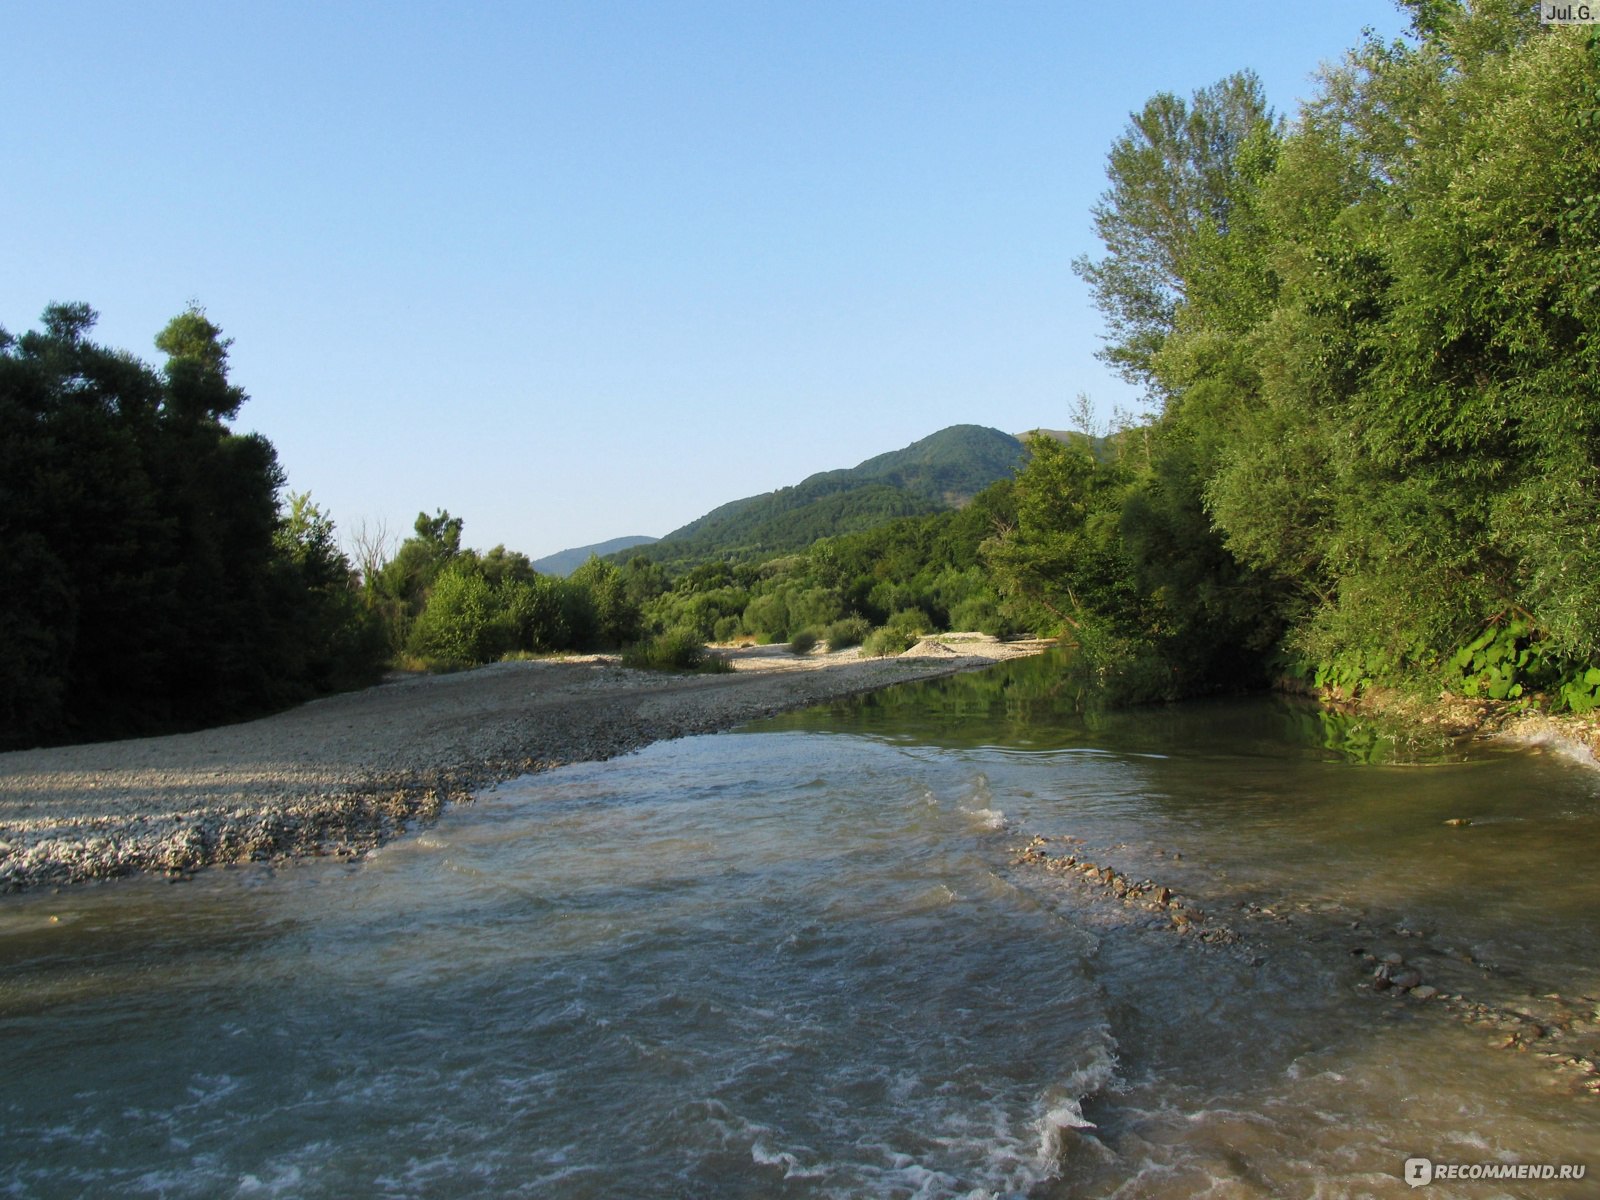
(805, 959)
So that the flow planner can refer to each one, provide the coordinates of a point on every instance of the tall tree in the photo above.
(1171, 174)
(144, 581)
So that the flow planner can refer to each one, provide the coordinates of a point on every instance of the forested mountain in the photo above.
(941, 471)
(565, 562)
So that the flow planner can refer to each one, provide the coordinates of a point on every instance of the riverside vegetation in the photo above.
(1370, 337)
(1374, 338)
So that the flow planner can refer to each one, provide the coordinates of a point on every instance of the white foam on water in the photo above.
(762, 1156)
(197, 1179)
(938, 896)
(1065, 1115)
(207, 1090)
(987, 818)
(285, 1181)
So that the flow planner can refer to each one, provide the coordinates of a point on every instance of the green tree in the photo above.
(461, 621)
(335, 640)
(616, 619)
(1172, 174)
(148, 580)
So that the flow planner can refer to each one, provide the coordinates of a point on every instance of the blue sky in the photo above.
(577, 270)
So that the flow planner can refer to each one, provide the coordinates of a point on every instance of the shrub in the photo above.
(767, 617)
(533, 615)
(677, 649)
(803, 642)
(846, 632)
(460, 622)
(912, 622)
(886, 641)
(981, 613)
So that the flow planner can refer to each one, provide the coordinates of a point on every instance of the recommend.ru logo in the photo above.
(1419, 1172)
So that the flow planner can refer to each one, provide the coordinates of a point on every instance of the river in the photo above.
(810, 959)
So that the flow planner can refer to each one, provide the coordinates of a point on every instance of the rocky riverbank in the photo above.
(343, 774)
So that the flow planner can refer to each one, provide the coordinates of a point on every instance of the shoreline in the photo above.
(1469, 719)
(346, 773)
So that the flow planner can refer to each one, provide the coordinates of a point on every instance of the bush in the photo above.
(912, 622)
(460, 623)
(846, 632)
(767, 617)
(981, 613)
(803, 642)
(533, 615)
(887, 641)
(675, 650)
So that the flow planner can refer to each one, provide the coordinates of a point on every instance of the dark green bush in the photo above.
(846, 632)
(675, 650)
(882, 643)
(462, 621)
(803, 642)
(912, 622)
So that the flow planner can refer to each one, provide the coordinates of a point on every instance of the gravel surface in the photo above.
(342, 774)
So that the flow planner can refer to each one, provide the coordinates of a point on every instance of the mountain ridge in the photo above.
(565, 562)
(941, 471)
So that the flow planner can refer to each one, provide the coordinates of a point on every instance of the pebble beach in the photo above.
(343, 774)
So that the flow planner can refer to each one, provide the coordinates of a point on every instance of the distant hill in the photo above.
(565, 562)
(943, 470)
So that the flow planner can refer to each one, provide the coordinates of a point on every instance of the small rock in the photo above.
(1424, 992)
(1406, 979)
(1459, 821)
(1393, 959)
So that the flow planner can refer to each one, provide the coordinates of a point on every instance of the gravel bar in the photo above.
(344, 774)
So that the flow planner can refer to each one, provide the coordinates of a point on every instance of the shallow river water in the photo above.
(805, 959)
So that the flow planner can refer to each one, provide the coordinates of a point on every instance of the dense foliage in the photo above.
(150, 577)
(155, 577)
(1374, 339)
(443, 605)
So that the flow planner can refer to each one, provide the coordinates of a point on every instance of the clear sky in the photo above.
(583, 269)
